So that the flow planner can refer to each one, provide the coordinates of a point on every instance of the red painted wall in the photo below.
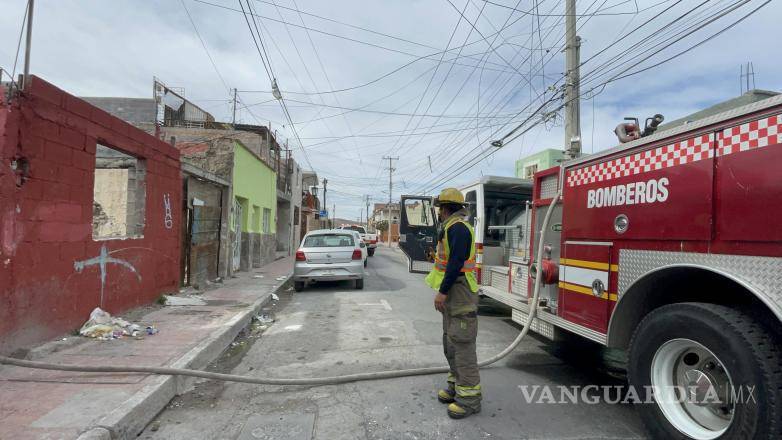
(46, 217)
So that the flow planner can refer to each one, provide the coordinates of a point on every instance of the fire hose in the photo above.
(305, 381)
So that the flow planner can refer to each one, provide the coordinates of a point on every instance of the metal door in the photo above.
(237, 256)
(418, 232)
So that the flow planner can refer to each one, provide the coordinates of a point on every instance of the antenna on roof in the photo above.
(747, 77)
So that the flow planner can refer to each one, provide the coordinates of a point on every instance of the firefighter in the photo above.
(453, 277)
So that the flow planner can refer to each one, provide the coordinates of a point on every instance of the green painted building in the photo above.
(527, 166)
(254, 211)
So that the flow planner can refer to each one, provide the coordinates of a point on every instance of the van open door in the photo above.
(418, 232)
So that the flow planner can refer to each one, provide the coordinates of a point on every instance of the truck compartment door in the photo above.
(663, 192)
(748, 187)
(418, 232)
(586, 276)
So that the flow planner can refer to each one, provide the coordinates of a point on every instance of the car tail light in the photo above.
(300, 256)
(357, 254)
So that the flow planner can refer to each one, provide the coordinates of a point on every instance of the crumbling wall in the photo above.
(52, 271)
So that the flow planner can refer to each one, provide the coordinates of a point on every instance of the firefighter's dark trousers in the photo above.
(460, 328)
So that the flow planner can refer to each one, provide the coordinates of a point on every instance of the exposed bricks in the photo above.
(56, 191)
(71, 138)
(83, 160)
(44, 170)
(57, 153)
(78, 106)
(41, 89)
(73, 176)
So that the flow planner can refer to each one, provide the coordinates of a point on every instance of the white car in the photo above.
(329, 255)
(363, 245)
(370, 239)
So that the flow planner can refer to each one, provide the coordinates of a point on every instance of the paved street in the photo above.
(333, 329)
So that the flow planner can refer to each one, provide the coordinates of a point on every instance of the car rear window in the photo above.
(358, 229)
(329, 240)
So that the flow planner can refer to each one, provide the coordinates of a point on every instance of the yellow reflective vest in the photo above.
(436, 275)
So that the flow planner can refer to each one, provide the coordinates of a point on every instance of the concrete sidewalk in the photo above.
(38, 404)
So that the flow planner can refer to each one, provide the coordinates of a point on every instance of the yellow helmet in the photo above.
(449, 195)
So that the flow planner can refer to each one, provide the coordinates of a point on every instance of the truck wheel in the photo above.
(705, 371)
(298, 286)
(360, 284)
(371, 252)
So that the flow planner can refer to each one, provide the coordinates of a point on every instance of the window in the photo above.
(329, 240)
(295, 215)
(267, 213)
(530, 171)
(418, 212)
(256, 225)
(119, 195)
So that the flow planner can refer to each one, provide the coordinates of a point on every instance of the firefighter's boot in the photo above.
(456, 411)
(447, 395)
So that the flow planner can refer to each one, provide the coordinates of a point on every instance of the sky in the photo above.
(431, 82)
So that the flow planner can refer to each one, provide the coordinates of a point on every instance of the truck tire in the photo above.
(720, 349)
(371, 252)
(298, 286)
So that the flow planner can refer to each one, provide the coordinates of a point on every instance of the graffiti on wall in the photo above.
(168, 220)
(102, 261)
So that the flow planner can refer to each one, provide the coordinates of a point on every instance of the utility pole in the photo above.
(391, 170)
(28, 44)
(367, 212)
(333, 215)
(572, 86)
(233, 117)
(325, 206)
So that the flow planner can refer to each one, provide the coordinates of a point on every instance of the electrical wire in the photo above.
(203, 44)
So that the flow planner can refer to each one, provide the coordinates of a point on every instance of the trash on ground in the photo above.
(102, 325)
(151, 330)
(257, 276)
(184, 300)
(263, 318)
(275, 297)
(282, 278)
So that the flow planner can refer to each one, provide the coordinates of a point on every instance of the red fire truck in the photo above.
(668, 247)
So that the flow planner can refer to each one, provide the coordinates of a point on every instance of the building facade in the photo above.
(526, 167)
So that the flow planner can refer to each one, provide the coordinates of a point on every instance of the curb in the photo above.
(130, 418)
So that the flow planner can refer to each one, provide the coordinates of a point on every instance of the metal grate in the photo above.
(485, 276)
(499, 278)
(549, 186)
(542, 328)
(422, 266)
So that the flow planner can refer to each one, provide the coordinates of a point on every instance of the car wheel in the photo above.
(705, 371)
(371, 252)
(298, 286)
(365, 262)
(360, 284)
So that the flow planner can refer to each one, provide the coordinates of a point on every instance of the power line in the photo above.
(473, 162)
(203, 44)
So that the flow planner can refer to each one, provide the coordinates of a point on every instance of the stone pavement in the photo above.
(51, 404)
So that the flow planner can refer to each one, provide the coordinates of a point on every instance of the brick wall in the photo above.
(52, 272)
